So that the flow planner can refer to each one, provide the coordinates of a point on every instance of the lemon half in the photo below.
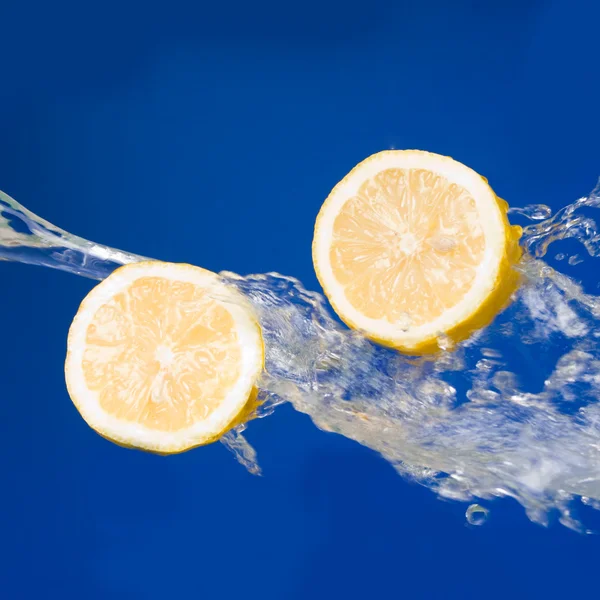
(412, 248)
(163, 357)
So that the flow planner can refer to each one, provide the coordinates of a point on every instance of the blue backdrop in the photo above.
(211, 133)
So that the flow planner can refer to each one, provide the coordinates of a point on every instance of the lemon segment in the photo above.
(163, 357)
(412, 247)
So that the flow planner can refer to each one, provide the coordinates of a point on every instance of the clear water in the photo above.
(514, 411)
(477, 514)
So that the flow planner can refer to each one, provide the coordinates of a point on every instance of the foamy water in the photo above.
(514, 411)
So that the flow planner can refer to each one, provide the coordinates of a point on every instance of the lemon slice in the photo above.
(163, 357)
(413, 248)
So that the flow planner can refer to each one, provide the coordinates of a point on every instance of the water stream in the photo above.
(513, 411)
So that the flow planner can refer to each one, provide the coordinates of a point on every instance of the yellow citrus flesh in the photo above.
(411, 247)
(163, 357)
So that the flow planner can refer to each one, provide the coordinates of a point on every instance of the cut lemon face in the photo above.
(163, 357)
(413, 248)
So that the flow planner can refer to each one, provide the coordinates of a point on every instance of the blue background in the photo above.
(211, 133)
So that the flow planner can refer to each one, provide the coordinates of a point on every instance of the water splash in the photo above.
(467, 423)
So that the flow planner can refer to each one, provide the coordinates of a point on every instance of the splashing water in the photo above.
(462, 423)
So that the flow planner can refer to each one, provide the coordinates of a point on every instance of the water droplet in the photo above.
(445, 343)
(575, 260)
(442, 243)
(491, 353)
(534, 212)
(477, 514)
(591, 502)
